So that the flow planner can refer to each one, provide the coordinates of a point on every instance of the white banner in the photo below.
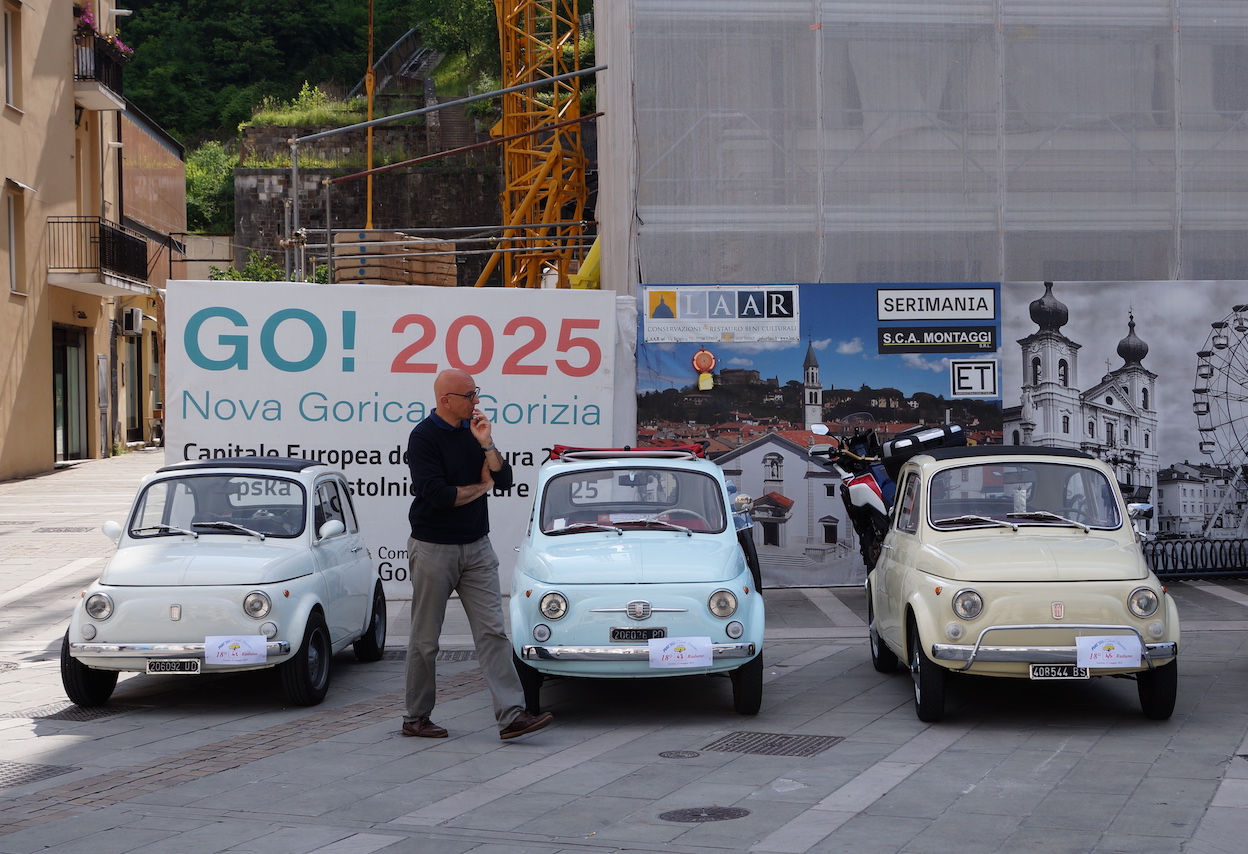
(341, 374)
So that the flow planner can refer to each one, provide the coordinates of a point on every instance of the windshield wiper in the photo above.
(1051, 517)
(657, 521)
(584, 526)
(228, 526)
(972, 519)
(163, 529)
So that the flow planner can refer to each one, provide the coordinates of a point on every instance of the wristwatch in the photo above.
(492, 447)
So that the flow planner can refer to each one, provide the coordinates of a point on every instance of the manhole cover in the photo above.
(679, 754)
(71, 530)
(19, 773)
(697, 814)
(774, 743)
(70, 712)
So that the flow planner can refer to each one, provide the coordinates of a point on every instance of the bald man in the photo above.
(454, 465)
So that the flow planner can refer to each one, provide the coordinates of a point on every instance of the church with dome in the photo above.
(1114, 419)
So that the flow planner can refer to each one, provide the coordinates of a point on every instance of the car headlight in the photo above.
(553, 606)
(99, 606)
(968, 604)
(257, 605)
(722, 603)
(1143, 602)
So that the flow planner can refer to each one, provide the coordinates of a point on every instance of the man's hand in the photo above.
(481, 428)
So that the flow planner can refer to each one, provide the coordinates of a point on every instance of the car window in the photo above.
(1024, 493)
(908, 506)
(634, 496)
(329, 505)
(272, 506)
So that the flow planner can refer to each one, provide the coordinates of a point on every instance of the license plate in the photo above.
(627, 633)
(1058, 671)
(173, 665)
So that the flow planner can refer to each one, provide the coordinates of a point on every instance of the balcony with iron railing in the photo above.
(92, 255)
(98, 65)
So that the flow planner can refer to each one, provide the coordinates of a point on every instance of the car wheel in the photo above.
(372, 644)
(929, 680)
(883, 659)
(747, 686)
(1158, 689)
(746, 538)
(85, 686)
(306, 676)
(531, 681)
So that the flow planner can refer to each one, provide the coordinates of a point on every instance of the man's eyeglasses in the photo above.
(475, 395)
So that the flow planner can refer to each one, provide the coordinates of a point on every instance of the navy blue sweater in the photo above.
(442, 457)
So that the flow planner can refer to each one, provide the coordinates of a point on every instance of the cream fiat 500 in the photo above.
(228, 565)
(638, 564)
(1018, 562)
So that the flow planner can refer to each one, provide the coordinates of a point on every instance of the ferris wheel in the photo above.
(1220, 402)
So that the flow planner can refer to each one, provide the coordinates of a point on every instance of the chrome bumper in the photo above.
(979, 651)
(156, 650)
(534, 652)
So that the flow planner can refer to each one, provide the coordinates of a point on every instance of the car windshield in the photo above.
(221, 504)
(1022, 493)
(633, 498)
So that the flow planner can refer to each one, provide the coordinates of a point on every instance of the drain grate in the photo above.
(19, 773)
(444, 655)
(70, 712)
(76, 529)
(774, 743)
(680, 754)
(698, 814)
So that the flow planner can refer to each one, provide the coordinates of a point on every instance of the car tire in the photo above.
(306, 675)
(1158, 689)
(372, 644)
(883, 659)
(929, 680)
(531, 681)
(85, 686)
(746, 538)
(747, 686)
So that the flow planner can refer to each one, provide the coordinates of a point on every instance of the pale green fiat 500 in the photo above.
(1019, 562)
(634, 566)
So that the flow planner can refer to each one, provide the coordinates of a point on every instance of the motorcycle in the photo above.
(868, 470)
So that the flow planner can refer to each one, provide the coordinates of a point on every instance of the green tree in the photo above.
(210, 189)
(467, 27)
(259, 268)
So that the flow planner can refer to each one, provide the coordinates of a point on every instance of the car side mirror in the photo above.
(1140, 511)
(332, 528)
(742, 503)
(112, 530)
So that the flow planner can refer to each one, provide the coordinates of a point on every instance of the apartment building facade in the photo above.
(92, 191)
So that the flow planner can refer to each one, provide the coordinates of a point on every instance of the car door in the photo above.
(896, 558)
(342, 560)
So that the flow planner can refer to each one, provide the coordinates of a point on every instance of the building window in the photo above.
(1092, 429)
(1144, 397)
(10, 55)
(14, 266)
(1065, 423)
(829, 490)
(1035, 371)
(1063, 373)
(1017, 438)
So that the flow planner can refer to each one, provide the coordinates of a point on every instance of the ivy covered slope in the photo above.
(201, 66)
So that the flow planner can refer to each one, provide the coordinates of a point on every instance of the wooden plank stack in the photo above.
(393, 258)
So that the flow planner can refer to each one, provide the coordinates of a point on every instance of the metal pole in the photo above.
(294, 193)
(329, 233)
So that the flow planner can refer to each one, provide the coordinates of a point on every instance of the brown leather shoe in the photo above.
(526, 723)
(423, 728)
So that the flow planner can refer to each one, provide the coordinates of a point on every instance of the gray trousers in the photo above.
(471, 570)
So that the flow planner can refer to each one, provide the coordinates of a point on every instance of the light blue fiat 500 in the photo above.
(633, 567)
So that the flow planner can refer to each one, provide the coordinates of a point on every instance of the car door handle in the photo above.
(885, 546)
(356, 549)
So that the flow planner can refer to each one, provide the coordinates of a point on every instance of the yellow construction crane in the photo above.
(544, 190)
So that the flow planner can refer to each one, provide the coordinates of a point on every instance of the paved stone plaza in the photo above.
(835, 762)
